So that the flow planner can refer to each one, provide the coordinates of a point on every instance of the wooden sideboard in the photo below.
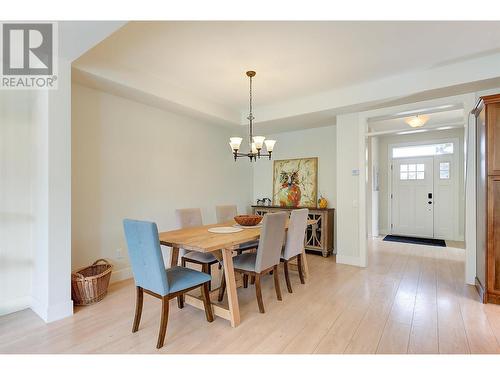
(319, 236)
(487, 114)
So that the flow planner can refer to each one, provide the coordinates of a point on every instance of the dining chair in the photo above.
(265, 260)
(227, 213)
(294, 245)
(152, 278)
(188, 218)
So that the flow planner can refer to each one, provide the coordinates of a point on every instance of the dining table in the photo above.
(223, 247)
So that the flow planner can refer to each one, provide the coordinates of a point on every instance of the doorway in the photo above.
(424, 190)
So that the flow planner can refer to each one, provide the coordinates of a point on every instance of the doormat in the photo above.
(415, 240)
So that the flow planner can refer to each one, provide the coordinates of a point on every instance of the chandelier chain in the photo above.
(250, 116)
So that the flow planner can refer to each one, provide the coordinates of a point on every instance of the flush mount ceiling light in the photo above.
(257, 142)
(417, 121)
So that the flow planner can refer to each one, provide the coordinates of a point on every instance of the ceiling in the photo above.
(452, 118)
(202, 64)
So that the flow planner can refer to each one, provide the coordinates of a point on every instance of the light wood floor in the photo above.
(411, 299)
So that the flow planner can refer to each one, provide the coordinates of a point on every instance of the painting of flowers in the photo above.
(295, 182)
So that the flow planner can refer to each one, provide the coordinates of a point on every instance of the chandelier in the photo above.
(257, 142)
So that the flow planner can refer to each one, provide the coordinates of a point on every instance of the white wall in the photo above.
(17, 129)
(130, 160)
(375, 194)
(317, 142)
(385, 141)
(35, 210)
(350, 174)
(51, 284)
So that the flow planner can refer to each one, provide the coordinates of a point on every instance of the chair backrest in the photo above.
(296, 232)
(145, 256)
(271, 240)
(225, 213)
(188, 217)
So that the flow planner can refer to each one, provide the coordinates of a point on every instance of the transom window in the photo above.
(444, 170)
(412, 171)
(422, 150)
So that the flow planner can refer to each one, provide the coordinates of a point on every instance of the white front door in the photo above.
(412, 197)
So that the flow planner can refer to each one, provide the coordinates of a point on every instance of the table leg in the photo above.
(174, 257)
(305, 266)
(232, 296)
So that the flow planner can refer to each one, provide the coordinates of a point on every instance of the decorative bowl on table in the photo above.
(248, 220)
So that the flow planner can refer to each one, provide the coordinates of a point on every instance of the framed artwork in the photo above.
(295, 182)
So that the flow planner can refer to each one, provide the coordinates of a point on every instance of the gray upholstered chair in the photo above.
(227, 213)
(151, 277)
(294, 245)
(188, 218)
(266, 259)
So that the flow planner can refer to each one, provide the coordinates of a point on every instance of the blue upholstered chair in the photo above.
(152, 278)
(294, 246)
(266, 259)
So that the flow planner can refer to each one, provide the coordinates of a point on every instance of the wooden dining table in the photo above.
(222, 246)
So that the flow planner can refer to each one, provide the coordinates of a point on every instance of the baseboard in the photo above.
(53, 312)
(18, 304)
(60, 311)
(119, 275)
(39, 308)
(350, 260)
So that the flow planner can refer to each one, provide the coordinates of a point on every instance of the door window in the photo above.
(412, 171)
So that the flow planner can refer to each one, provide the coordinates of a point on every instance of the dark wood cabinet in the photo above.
(493, 136)
(487, 114)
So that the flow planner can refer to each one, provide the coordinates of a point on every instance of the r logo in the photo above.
(27, 49)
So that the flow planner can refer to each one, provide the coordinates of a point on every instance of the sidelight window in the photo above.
(444, 170)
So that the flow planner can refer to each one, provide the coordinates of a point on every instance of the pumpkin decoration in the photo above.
(322, 202)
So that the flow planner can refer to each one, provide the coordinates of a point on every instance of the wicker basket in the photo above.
(90, 284)
(248, 220)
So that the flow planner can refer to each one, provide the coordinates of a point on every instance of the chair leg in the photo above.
(138, 308)
(287, 277)
(180, 301)
(277, 283)
(183, 262)
(301, 270)
(258, 293)
(163, 323)
(252, 280)
(222, 287)
(205, 293)
(245, 281)
(205, 268)
(209, 271)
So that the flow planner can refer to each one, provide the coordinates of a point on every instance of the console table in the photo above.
(319, 236)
